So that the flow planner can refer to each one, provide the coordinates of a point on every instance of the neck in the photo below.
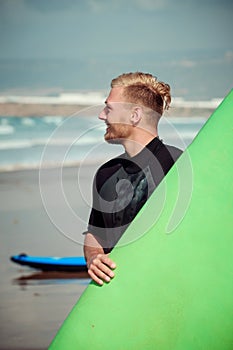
(137, 142)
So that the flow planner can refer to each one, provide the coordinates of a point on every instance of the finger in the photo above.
(102, 272)
(100, 267)
(95, 278)
(107, 261)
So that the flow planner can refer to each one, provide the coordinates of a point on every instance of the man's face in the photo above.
(116, 115)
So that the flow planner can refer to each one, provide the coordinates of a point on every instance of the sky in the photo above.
(73, 44)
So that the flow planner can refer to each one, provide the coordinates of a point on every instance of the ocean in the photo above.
(32, 142)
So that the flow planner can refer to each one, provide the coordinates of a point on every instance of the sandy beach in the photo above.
(38, 110)
(34, 304)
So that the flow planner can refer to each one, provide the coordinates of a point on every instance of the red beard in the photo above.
(116, 132)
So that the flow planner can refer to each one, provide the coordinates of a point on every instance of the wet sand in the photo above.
(34, 304)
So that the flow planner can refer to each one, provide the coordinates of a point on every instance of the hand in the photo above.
(100, 268)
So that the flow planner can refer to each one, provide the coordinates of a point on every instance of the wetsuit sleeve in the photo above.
(96, 221)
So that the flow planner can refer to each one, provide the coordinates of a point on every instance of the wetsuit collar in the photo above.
(140, 161)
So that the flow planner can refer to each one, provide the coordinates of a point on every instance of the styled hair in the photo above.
(144, 89)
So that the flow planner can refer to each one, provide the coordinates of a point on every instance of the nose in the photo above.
(102, 115)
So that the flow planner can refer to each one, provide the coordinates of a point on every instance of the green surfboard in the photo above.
(173, 285)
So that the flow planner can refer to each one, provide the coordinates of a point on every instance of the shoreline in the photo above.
(39, 110)
(12, 109)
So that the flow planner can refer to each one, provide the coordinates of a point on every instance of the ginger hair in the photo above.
(144, 89)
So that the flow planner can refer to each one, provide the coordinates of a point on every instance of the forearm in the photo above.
(91, 248)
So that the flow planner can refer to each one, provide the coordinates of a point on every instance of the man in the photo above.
(122, 185)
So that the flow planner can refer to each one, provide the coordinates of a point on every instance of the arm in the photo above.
(99, 264)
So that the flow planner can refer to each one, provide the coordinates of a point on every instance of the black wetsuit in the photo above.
(123, 185)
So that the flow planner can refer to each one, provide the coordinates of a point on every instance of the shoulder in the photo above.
(167, 155)
(163, 151)
(173, 151)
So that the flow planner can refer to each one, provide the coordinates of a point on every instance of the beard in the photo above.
(116, 133)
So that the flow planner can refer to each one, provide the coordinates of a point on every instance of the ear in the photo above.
(136, 115)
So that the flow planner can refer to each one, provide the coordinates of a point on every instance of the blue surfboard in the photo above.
(50, 263)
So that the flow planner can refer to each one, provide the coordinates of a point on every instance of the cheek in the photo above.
(122, 130)
(118, 116)
(118, 119)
